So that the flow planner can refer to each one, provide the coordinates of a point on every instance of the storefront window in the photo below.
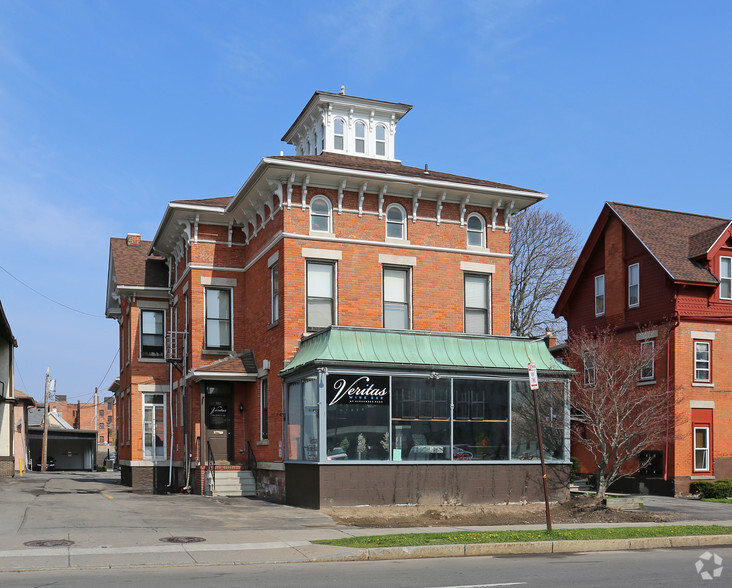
(357, 417)
(433, 418)
(481, 419)
(524, 439)
(421, 419)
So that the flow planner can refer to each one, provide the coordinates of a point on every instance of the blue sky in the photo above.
(109, 110)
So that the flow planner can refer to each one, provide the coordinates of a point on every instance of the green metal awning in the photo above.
(382, 348)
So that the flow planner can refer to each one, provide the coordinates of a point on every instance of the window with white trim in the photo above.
(339, 134)
(648, 349)
(320, 215)
(275, 292)
(360, 137)
(153, 426)
(264, 409)
(320, 295)
(153, 332)
(476, 230)
(396, 298)
(600, 295)
(633, 285)
(725, 278)
(477, 311)
(702, 361)
(396, 222)
(701, 449)
(381, 140)
(588, 361)
(218, 318)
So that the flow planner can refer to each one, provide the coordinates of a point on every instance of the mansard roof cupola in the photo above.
(347, 125)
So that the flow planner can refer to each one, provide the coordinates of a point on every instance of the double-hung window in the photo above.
(477, 310)
(701, 449)
(264, 410)
(320, 215)
(589, 368)
(218, 318)
(396, 222)
(153, 325)
(381, 140)
(360, 137)
(648, 349)
(702, 361)
(600, 295)
(633, 285)
(339, 134)
(396, 298)
(476, 230)
(275, 292)
(725, 278)
(320, 295)
(154, 426)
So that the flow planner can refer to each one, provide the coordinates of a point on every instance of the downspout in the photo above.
(668, 388)
(170, 450)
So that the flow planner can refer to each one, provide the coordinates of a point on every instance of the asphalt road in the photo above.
(667, 568)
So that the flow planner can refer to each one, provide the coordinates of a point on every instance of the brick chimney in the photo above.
(550, 339)
(133, 239)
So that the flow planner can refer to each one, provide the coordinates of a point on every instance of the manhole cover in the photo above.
(49, 543)
(183, 539)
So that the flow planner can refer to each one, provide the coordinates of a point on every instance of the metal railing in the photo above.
(251, 458)
(211, 466)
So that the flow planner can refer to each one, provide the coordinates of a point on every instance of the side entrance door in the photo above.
(219, 421)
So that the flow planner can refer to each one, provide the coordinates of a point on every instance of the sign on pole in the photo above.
(533, 378)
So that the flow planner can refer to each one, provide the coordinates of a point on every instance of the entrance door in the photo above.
(219, 421)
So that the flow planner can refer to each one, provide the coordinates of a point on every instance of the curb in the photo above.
(561, 546)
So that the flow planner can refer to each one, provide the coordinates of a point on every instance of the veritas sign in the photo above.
(354, 389)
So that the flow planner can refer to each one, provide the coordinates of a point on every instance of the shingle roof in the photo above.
(242, 363)
(674, 238)
(134, 267)
(23, 397)
(391, 167)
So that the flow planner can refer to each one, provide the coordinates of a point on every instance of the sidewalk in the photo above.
(83, 520)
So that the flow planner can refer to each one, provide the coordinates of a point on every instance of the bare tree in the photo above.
(614, 418)
(544, 247)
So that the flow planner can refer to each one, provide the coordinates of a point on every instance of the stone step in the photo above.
(231, 483)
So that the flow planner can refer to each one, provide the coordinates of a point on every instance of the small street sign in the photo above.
(533, 378)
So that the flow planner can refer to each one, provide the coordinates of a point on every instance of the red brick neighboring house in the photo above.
(642, 266)
(338, 330)
(99, 415)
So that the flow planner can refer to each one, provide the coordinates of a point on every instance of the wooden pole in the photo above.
(543, 465)
(44, 451)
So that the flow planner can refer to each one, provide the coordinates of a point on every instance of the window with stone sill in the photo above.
(396, 222)
(321, 219)
(476, 230)
(725, 278)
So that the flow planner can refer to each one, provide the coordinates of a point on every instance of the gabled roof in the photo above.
(392, 167)
(382, 348)
(219, 202)
(134, 267)
(676, 240)
(23, 397)
(5, 329)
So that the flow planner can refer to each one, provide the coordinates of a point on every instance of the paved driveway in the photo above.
(689, 509)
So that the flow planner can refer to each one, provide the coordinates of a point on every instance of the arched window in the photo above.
(360, 137)
(339, 134)
(320, 217)
(381, 140)
(396, 222)
(476, 230)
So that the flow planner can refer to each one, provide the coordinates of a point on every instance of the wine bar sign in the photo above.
(357, 389)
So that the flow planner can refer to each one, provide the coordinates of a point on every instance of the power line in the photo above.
(50, 299)
(116, 353)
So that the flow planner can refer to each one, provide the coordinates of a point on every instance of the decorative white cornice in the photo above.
(381, 199)
(341, 189)
(415, 204)
(361, 195)
(463, 205)
(440, 200)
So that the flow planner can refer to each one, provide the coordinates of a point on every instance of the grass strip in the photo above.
(463, 537)
(724, 500)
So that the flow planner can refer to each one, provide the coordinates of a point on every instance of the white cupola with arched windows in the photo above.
(346, 125)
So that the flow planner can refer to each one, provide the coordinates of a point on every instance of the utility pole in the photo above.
(44, 452)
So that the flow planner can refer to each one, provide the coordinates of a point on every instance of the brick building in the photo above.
(644, 266)
(99, 416)
(338, 330)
